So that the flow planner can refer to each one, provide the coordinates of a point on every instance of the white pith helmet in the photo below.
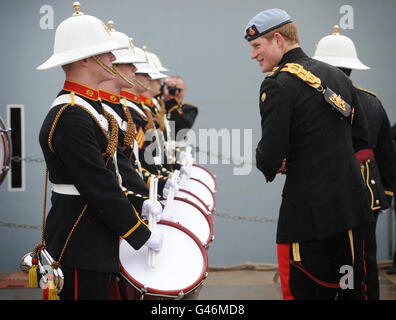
(146, 67)
(79, 37)
(155, 63)
(124, 55)
(339, 51)
(155, 60)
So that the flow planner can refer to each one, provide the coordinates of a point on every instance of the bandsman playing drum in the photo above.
(79, 143)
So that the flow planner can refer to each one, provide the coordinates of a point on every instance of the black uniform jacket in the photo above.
(141, 121)
(77, 159)
(323, 193)
(381, 141)
(183, 114)
(126, 161)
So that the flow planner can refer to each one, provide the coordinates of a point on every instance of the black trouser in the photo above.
(85, 285)
(370, 254)
(324, 263)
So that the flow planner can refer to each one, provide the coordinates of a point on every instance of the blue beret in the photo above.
(265, 21)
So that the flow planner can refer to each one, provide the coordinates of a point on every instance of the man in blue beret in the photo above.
(311, 128)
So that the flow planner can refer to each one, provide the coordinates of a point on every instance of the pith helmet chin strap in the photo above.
(123, 76)
(142, 84)
(103, 65)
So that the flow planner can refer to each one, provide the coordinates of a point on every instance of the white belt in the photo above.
(69, 189)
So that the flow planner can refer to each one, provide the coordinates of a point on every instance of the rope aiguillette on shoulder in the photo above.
(333, 99)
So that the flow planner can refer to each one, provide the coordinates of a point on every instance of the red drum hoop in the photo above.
(196, 183)
(209, 173)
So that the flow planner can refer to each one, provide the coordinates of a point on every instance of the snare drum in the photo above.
(205, 176)
(201, 192)
(5, 150)
(193, 218)
(181, 266)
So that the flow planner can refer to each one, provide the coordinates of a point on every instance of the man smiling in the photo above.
(306, 117)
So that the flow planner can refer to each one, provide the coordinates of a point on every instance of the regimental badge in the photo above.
(263, 96)
(113, 98)
(251, 31)
(337, 100)
(140, 138)
(89, 93)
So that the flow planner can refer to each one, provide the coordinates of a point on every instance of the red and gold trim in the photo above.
(130, 96)
(146, 101)
(109, 97)
(81, 90)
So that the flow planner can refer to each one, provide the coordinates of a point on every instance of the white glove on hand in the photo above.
(184, 170)
(155, 241)
(169, 183)
(155, 208)
(166, 215)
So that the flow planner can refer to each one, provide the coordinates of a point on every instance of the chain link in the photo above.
(21, 226)
(242, 218)
(27, 159)
(222, 157)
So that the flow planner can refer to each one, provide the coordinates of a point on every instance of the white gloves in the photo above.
(169, 183)
(155, 208)
(185, 157)
(184, 170)
(155, 241)
(167, 216)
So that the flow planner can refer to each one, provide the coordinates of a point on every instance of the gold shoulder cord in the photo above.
(109, 153)
(130, 134)
(150, 121)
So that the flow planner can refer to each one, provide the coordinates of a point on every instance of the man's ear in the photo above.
(84, 62)
(280, 41)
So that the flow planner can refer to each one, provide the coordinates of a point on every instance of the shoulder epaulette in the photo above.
(189, 104)
(368, 91)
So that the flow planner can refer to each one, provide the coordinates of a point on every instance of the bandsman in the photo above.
(79, 142)
(377, 160)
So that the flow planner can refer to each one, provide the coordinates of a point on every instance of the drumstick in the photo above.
(171, 193)
(151, 218)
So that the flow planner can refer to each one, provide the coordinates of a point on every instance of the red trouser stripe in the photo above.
(75, 285)
(284, 270)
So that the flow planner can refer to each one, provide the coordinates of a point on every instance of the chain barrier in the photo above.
(20, 226)
(222, 157)
(27, 159)
(243, 218)
(217, 214)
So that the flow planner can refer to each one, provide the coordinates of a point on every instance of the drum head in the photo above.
(193, 218)
(184, 194)
(181, 264)
(200, 191)
(5, 150)
(205, 176)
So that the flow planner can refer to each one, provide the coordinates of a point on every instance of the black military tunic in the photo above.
(380, 183)
(379, 173)
(183, 114)
(323, 194)
(78, 143)
(132, 179)
(143, 123)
